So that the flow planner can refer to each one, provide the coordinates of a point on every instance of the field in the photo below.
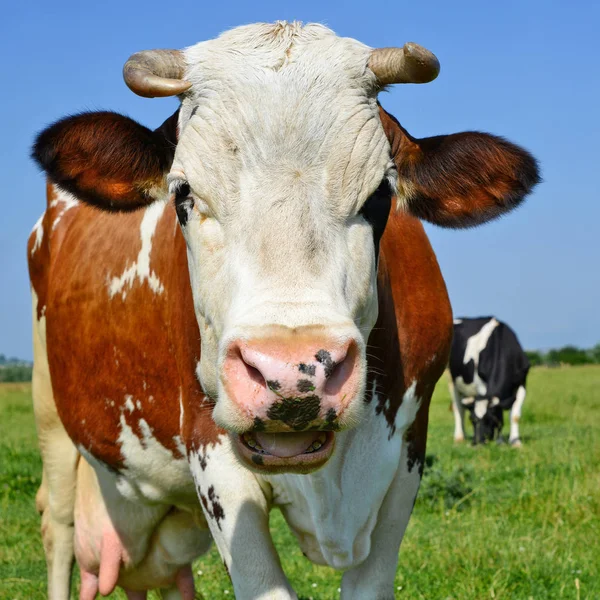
(491, 522)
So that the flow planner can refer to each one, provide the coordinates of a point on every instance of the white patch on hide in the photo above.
(407, 413)
(177, 438)
(180, 410)
(129, 403)
(515, 414)
(68, 202)
(180, 445)
(480, 409)
(140, 269)
(475, 345)
(38, 228)
(151, 472)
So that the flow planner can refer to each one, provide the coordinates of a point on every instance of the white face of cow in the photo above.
(282, 176)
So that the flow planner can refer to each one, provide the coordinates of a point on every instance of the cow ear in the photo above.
(459, 180)
(106, 159)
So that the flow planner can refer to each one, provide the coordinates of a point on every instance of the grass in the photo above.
(490, 522)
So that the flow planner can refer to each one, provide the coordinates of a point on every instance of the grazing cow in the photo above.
(488, 371)
(227, 320)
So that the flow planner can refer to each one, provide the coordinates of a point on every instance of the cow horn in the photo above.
(156, 73)
(410, 64)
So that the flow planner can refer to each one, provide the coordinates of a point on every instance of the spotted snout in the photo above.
(284, 384)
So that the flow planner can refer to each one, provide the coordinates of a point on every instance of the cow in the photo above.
(241, 309)
(488, 375)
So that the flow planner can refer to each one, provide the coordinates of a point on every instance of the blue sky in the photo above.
(527, 70)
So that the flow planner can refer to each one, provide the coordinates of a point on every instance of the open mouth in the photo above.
(300, 452)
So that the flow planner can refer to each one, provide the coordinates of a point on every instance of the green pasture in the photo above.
(490, 523)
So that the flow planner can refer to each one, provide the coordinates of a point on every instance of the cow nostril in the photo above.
(335, 371)
(253, 373)
(341, 371)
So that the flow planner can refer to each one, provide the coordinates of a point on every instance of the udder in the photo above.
(138, 547)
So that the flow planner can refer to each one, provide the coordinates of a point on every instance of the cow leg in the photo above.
(374, 578)
(515, 416)
(60, 460)
(41, 498)
(56, 496)
(459, 414)
(237, 511)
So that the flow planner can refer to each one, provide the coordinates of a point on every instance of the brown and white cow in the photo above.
(233, 330)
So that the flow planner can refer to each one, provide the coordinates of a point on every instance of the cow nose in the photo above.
(295, 376)
(277, 380)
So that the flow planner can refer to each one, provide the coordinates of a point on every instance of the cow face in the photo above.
(486, 417)
(282, 177)
(282, 216)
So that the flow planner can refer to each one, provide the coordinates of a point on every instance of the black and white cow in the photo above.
(488, 370)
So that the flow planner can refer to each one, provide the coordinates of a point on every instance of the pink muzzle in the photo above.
(292, 384)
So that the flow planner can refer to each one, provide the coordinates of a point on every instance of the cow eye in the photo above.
(184, 203)
(376, 211)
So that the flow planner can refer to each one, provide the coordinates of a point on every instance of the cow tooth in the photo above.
(314, 446)
(251, 442)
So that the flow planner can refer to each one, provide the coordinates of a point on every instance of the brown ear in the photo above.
(459, 180)
(106, 159)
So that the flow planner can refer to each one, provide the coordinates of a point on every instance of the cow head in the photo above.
(283, 175)
(486, 417)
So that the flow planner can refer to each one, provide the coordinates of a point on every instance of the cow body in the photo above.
(242, 325)
(488, 370)
(122, 397)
